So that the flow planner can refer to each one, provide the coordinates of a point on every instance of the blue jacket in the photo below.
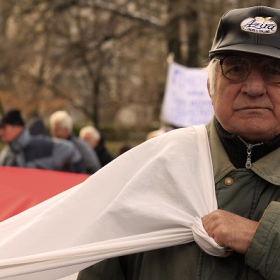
(41, 152)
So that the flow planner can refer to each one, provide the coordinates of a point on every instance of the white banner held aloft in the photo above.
(186, 101)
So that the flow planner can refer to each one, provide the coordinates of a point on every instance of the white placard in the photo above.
(186, 101)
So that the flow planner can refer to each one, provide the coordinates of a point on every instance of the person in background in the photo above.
(25, 150)
(91, 135)
(61, 126)
(36, 126)
(244, 142)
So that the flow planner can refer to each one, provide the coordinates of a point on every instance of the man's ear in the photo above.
(209, 92)
(208, 88)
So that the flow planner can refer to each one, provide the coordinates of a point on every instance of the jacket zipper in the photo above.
(249, 147)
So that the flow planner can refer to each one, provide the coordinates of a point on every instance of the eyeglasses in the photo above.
(238, 68)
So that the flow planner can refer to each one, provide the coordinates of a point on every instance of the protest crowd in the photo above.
(29, 145)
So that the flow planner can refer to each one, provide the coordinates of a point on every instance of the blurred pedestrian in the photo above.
(25, 150)
(61, 126)
(91, 135)
(36, 126)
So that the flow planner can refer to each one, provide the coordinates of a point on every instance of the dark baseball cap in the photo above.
(251, 30)
(12, 117)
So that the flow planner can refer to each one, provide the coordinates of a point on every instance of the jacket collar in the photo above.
(267, 167)
(21, 141)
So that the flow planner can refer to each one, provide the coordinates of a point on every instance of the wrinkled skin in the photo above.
(250, 108)
(230, 230)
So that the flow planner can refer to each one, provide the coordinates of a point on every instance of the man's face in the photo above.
(58, 132)
(9, 132)
(249, 108)
(87, 137)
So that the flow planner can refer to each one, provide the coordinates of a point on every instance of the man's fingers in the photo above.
(230, 230)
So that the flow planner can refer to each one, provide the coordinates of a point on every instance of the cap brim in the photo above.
(248, 48)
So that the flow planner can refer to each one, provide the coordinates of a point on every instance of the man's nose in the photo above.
(254, 84)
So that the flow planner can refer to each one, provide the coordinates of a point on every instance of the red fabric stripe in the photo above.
(22, 188)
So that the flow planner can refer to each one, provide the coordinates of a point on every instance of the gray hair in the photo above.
(62, 119)
(212, 72)
(92, 131)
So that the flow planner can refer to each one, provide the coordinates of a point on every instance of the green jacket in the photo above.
(248, 193)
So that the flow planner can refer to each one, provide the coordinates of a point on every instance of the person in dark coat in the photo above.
(61, 126)
(36, 126)
(91, 135)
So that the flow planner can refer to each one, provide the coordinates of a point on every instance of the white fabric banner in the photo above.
(186, 101)
(150, 197)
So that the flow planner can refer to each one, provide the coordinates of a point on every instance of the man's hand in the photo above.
(230, 230)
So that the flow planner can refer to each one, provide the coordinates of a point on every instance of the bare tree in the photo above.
(96, 57)
(75, 48)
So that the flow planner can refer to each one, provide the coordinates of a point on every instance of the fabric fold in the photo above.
(150, 197)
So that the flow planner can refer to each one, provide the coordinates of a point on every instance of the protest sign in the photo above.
(186, 101)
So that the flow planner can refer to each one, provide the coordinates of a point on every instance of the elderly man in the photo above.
(61, 125)
(25, 150)
(244, 85)
(91, 135)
